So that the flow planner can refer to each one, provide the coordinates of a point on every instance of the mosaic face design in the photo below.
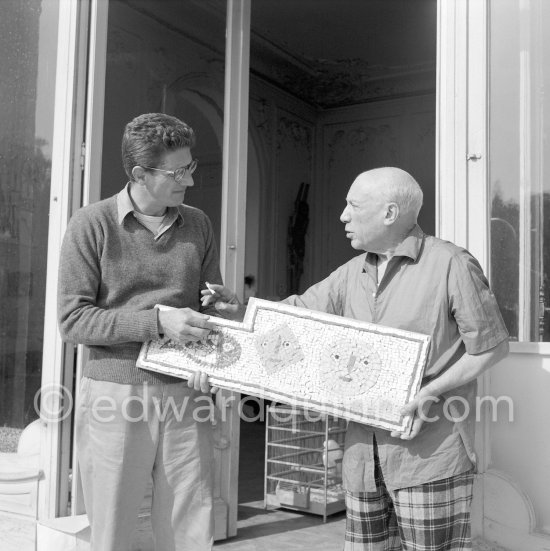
(216, 351)
(352, 369)
(278, 348)
(362, 373)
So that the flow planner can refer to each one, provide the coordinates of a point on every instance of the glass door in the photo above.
(40, 47)
(175, 57)
(519, 165)
(167, 57)
(29, 38)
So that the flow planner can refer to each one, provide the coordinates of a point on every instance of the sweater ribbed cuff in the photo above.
(140, 326)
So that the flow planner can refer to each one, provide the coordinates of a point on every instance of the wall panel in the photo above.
(397, 133)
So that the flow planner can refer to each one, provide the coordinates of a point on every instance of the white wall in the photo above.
(516, 505)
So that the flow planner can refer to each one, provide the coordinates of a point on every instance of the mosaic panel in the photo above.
(357, 370)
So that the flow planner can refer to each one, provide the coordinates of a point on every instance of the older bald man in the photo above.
(412, 491)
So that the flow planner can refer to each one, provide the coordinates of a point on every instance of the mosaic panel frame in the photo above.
(360, 371)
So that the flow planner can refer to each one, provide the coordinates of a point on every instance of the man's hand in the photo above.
(466, 369)
(419, 408)
(183, 325)
(224, 300)
(199, 381)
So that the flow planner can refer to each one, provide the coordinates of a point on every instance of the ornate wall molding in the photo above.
(350, 82)
(331, 83)
(360, 138)
(261, 117)
(294, 131)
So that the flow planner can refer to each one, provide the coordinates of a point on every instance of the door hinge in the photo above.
(82, 155)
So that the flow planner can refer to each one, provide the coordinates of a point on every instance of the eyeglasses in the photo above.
(180, 173)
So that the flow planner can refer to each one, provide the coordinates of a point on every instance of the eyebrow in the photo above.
(181, 166)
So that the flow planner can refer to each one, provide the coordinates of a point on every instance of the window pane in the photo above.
(520, 165)
(168, 56)
(28, 41)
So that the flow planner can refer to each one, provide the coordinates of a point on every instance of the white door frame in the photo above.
(462, 121)
(462, 213)
(91, 150)
(95, 101)
(58, 358)
(233, 217)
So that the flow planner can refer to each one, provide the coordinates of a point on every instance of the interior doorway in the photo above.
(336, 87)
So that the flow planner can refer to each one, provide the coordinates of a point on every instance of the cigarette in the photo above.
(210, 288)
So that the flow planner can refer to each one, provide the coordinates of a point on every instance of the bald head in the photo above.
(382, 207)
(393, 185)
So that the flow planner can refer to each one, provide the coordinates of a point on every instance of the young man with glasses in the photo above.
(121, 257)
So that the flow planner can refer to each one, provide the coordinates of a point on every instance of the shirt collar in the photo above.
(125, 207)
(409, 247)
(412, 244)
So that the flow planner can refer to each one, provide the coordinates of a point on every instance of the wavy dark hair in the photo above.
(149, 136)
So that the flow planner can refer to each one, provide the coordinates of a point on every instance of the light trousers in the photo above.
(127, 433)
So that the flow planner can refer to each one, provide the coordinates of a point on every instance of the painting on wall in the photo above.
(356, 370)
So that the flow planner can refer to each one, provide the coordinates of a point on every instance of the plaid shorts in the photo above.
(430, 517)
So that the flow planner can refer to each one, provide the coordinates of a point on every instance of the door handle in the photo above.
(473, 157)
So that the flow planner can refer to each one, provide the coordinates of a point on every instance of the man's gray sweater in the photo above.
(113, 272)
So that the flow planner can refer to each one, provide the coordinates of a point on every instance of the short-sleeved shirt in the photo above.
(432, 287)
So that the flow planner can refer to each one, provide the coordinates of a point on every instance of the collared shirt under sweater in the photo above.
(112, 273)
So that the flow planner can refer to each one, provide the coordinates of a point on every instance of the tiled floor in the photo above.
(16, 534)
(280, 530)
(258, 531)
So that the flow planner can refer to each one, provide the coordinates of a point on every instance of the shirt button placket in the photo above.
(374, 297)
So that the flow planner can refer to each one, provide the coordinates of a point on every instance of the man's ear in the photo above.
(392, 213)
(138, 174)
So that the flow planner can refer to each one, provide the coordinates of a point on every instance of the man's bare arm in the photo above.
(468, 368)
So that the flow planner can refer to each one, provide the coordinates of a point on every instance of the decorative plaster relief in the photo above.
(362, 139)
(260, 115)
(298, 134)
(338, 83)
(159, 64)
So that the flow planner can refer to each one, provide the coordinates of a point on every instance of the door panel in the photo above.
(156, 58)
